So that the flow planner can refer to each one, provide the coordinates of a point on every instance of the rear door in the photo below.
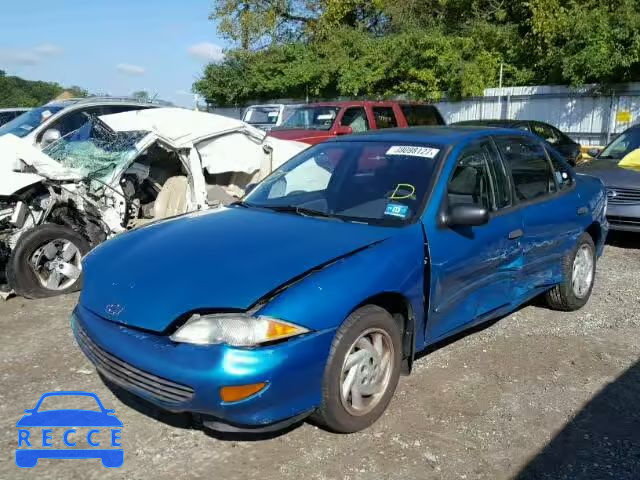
(549, 201)
(473, 268)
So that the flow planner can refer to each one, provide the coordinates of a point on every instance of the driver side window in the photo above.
(72, 121)
(479, 179)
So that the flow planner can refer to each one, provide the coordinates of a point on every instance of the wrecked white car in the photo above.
(115, 173)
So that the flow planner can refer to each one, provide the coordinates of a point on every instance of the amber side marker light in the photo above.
(235, 393)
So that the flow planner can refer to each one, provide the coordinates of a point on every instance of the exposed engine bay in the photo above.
(59, 203)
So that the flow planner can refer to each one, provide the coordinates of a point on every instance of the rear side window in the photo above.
(530, 168)
(421, 115)
(385, 118)
(479, 179)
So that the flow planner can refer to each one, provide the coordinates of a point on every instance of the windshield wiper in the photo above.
(240, 203)
(303, 211)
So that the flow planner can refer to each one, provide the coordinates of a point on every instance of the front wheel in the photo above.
(362, 371)
(579, 267)
(46, 261)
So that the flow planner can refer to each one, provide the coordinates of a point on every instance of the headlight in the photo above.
(237, 329)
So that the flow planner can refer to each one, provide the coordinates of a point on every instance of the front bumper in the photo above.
(624, 218)
(187, 378)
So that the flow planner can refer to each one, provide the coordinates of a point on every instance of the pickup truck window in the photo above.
(421, 115)
(356, 118)
(312, 118)
(385, 118)
(530, 167)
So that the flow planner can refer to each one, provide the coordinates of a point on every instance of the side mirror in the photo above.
(593, 152)
(343, 130)
(249, 188)
(29, 410)
(467, 215)
(50, 136)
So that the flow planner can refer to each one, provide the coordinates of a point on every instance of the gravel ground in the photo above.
(537, 395)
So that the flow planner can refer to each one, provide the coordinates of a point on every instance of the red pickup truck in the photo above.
(316, 122)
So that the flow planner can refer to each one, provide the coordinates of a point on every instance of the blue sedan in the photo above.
(314, 293)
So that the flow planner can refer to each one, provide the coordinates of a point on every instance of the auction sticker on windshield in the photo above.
(48, 431)
(397, 210)
(426, 152)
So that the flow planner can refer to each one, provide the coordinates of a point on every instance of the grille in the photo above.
(623, 196)
(624, 221)
(129, 376)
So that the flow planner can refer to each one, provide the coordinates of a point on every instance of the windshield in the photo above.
(262, 115)
(23, 124)
(311, 118)
(95, 149)
(373, 182)
(626, 143)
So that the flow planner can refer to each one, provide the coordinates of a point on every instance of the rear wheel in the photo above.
(579, 268)
(47, 261)
(362, 371)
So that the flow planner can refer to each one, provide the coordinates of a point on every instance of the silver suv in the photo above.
(46, 124)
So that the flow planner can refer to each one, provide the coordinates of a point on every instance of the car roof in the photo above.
(360, 103)
(443, 135)
(494, 122)
(15, 109)
(106, 101)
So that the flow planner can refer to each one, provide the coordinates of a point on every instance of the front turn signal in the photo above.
(235, 393)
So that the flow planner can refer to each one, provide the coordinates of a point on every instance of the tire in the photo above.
(563, 296)
(22, 274)
(340, 415)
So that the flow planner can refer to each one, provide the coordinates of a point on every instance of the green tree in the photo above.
(417, 48)
(141, 95)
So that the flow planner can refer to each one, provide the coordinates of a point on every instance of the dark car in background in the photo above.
(568, 148)
(316, 122)
(8, 114)
(623, 183)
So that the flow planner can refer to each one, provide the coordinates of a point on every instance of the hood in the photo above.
(611, 174)
(301, 135)
(13, 182)
(179, 126)
(14, 152)
(224, 144)
(224, 260)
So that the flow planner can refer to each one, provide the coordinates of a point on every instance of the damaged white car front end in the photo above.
(114, 174)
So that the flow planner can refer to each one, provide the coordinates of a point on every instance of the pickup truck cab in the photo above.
(316, 122)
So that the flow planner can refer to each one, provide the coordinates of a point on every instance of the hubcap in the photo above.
(57, 264)
(582, 275)
(366, 371)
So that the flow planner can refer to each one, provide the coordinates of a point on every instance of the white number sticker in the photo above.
(425, 152)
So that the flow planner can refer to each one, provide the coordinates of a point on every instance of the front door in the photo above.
(473, 268)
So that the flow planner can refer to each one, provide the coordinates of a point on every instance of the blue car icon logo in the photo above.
(42, 433)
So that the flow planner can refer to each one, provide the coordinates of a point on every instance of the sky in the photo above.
(111, 47)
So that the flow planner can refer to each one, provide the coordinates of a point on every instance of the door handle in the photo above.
(583, 211)
(516, 234)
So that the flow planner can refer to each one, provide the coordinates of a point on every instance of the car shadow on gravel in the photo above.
(186, 421)
(601, 441)
(627, 240)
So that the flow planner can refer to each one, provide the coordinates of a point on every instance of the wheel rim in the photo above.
(366, 371)
(582, 274)
(57, 264)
